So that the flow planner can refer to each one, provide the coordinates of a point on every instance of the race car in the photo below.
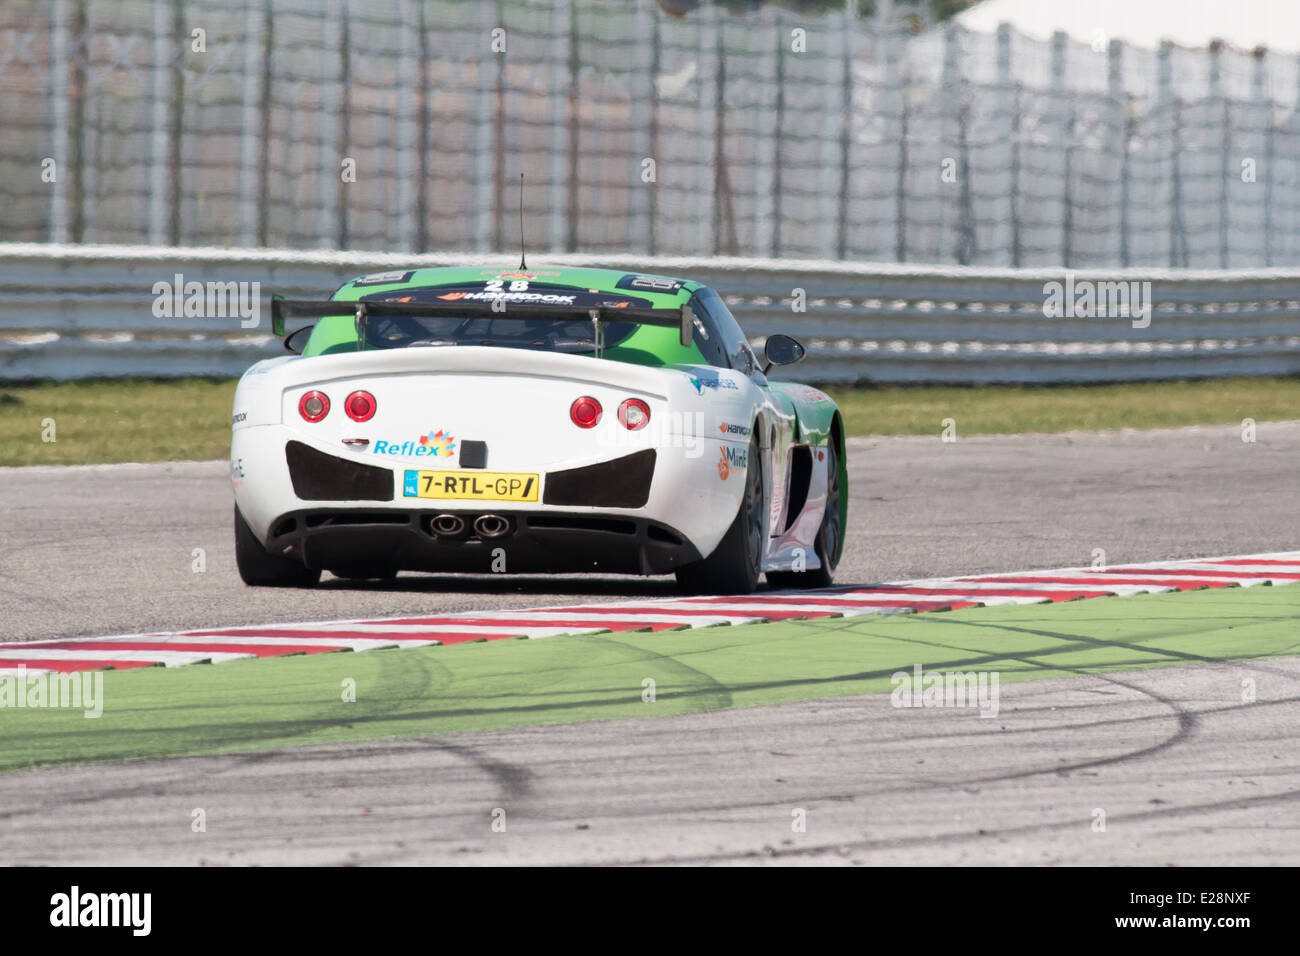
(535, 420)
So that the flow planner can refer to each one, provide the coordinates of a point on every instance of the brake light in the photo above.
(314, 406)
(585, 412)
(634, 414)
(360, 406)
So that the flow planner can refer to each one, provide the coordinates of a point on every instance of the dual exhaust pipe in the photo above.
(455, 526)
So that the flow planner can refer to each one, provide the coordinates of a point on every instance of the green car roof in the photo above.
(648, 345)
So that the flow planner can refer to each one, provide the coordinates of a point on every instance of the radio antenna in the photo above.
(522, 263)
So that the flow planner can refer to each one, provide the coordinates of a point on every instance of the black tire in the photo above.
(827, 544)
(735, 565)
(260, 569)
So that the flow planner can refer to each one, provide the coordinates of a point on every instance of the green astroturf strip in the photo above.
(157, 712)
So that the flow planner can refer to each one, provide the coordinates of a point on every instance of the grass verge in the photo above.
(189, 419)
(1008, 409)
(157, 712)
(97, 422)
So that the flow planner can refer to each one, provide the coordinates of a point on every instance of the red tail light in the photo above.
(585, 412)
(360, 406)
(634, 414)
(314, 406)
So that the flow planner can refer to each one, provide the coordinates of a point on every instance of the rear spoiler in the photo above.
(682, 319)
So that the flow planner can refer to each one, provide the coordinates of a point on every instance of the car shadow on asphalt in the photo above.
(518, 584)
(582, 586)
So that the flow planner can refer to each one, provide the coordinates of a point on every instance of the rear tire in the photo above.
(827, 543)
(260, 569)
(735, 564)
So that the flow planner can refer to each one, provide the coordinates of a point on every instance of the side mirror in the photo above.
(781, 350)
(296, 341)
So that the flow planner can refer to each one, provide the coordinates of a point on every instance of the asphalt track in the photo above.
(110, 549)
(1183, 770)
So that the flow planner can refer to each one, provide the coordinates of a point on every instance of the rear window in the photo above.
(571, 336)
(629, 342)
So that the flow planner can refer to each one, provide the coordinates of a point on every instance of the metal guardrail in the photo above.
(72, 311)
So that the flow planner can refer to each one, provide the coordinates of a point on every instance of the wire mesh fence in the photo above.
(404, 124)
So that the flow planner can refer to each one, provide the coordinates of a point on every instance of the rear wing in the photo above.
(682, 319)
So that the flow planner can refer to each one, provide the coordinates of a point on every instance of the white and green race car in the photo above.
(536, 420)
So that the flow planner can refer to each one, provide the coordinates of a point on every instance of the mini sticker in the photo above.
(383, 278)
(737, 458)
(526, 298)
(517, 274)
(702, 383)
(439, 444)
(649, 284)
(810, 394)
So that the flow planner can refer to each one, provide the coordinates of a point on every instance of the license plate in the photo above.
(470, 486)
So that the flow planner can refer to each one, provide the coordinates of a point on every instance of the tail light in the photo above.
(360, 406)
(634, 414)
(314, 406)
(585, 412)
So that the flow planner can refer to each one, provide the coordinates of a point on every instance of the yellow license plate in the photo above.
(470, 485)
